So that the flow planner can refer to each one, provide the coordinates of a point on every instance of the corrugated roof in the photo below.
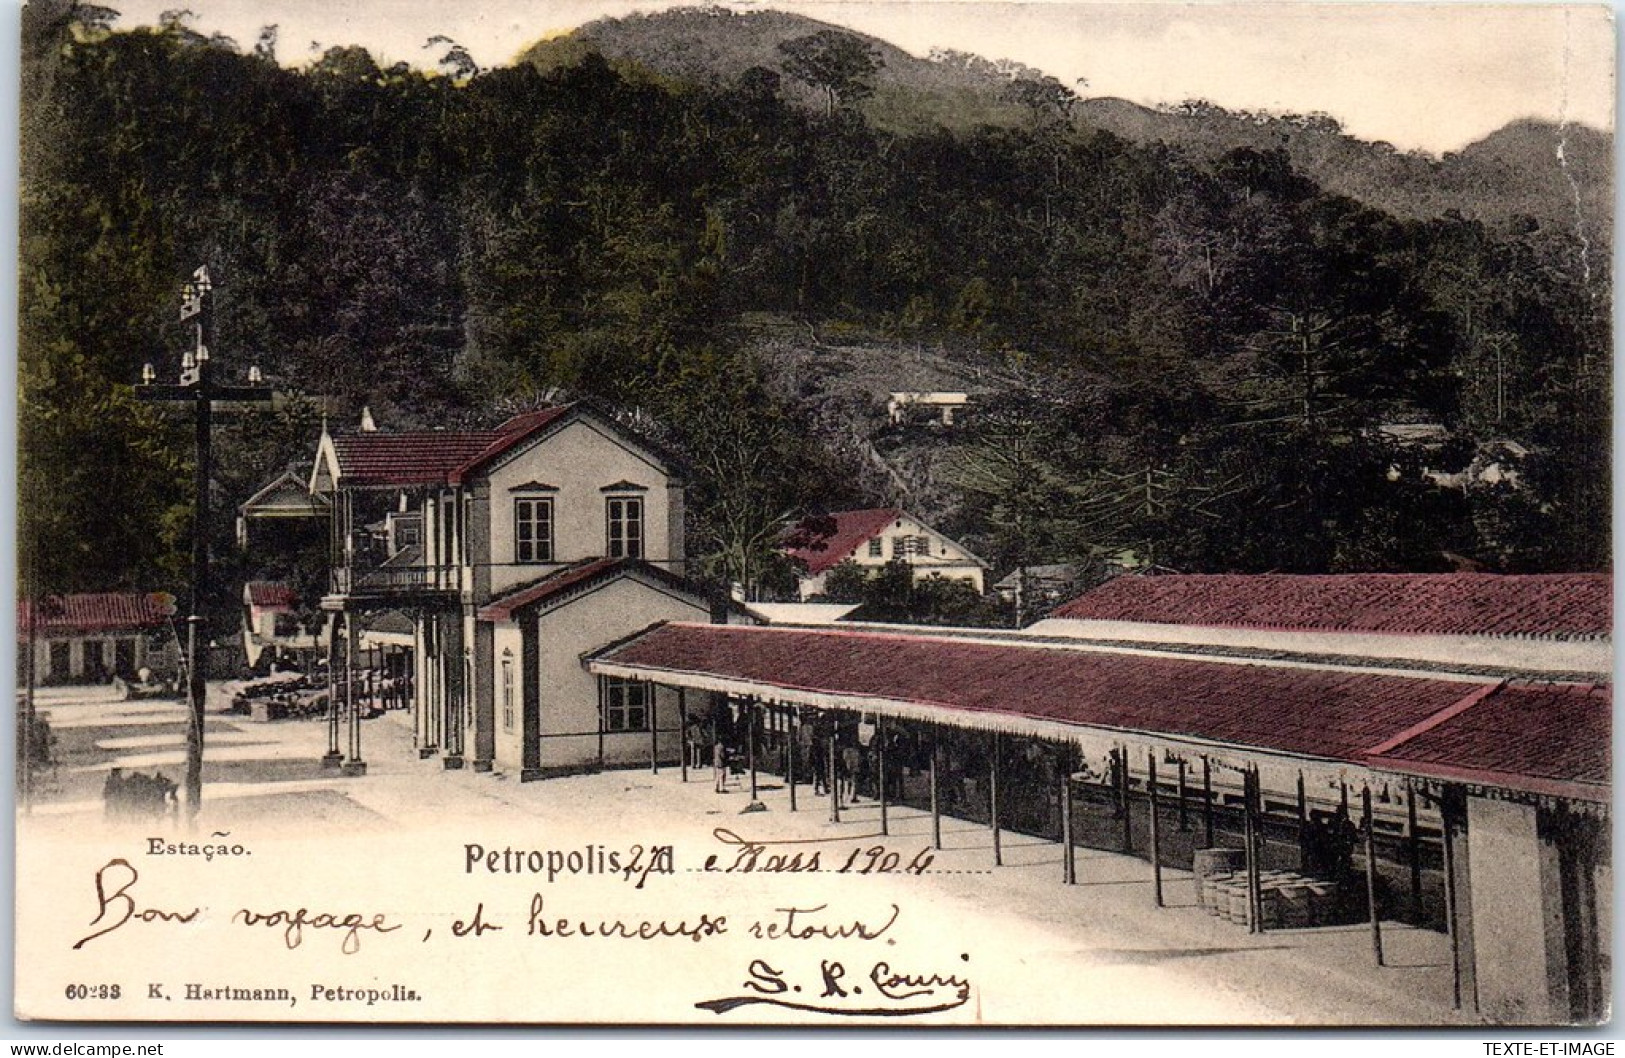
(1311, 712)
(96, 612)
(1537, 738)
(1565, 605)
(269, 593)
(822, 543)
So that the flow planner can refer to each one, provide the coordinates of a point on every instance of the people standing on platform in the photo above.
(818, 752)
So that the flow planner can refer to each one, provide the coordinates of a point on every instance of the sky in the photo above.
(1418, 75)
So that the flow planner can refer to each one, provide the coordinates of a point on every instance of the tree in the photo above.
(838, 64)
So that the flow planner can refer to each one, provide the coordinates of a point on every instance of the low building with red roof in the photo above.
(870, 538)
(92, 637)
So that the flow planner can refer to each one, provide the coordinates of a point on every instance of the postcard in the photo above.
(802, 513)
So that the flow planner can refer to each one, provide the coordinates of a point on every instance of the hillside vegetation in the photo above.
(1191, 355)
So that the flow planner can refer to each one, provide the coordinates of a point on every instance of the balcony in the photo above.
(392, 585)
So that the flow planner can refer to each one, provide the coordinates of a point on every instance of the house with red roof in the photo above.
(553, 533)
(871, 538)
(90, 638)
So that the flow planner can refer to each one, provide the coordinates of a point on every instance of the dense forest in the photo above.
(1222, 366)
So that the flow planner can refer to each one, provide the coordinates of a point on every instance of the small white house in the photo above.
(873, 537)
(937, 408)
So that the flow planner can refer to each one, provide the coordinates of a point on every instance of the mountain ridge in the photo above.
(1511, 173)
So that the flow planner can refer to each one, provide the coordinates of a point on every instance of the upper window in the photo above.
(533, 530)
(624, 515)
(626, 705)
(876, 547)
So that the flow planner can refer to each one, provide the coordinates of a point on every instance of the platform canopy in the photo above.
(1323, 720)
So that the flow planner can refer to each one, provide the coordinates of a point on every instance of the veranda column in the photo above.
(354, 765)
(333, 758)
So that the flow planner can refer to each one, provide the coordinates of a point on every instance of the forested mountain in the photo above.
(1197, 357)
(1513, 173)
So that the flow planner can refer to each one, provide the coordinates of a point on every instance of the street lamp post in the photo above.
(197, 387)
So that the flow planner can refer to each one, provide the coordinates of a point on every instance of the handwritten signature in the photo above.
(884, 991)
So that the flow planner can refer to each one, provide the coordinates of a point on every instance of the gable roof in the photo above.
(1549, 739)
(286, 495)
(269, 593)
(96, 612)
(509, 436)
(447, 457)
(422, 457)
(571, 579)
(824, 543)
(1563, 605)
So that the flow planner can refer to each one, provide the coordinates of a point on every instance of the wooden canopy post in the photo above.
(791, 715)
(1414, 840)
(1255, 896)
(682, 721)
(1069, 861)
(654, 729)
(993, 800)
(1452, 926)
(750, 738)
(1184, 820)
(1123, 800)
(880, 757)
(1207, 802)
(1371, 874)
(834, 784)
(936, 803)
(1303, 821)
(1156, 843)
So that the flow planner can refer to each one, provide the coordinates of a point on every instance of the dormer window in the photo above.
(623, 516)
(533, 529)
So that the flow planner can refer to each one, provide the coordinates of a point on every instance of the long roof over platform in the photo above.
(1558, 605)
(1312, 713)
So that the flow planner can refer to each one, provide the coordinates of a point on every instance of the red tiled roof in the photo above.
(269, 593)
(824, 543)
(568, 579)
(420, 458)
(1547, 739)
(97, 612)
(509, 434)
(1554, 605)
(431, 457)
(1311, 712)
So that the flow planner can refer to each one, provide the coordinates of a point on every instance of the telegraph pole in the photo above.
(197, 387)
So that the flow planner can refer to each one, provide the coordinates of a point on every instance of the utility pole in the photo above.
(197, 387)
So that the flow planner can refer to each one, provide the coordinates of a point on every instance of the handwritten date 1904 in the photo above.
(753, 856)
